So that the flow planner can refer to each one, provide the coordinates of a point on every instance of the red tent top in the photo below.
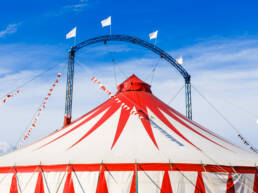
(133, 83)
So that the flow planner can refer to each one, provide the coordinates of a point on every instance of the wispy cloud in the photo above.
(5, 147)
(69, 8)
(10, 29)
(225, 72)
(74, 7)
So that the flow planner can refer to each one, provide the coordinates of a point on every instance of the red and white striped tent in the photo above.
(112, 149)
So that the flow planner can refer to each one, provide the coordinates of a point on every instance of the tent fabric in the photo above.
(133, 142)
(152, 181)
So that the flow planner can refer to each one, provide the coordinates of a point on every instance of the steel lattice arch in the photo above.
(123, 38)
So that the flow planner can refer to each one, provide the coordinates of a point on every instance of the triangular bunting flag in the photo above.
(68, 187)
(166, 185)
(14, 187)
(230, 184)
(102, 184)
(40, 184)
(133, 184)
(255, 189)
(199, 187)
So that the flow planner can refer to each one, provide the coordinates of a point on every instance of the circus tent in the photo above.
(132, 143)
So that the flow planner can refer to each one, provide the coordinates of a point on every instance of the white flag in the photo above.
(71, 34)
(257, 121)
(180, 60)
(153, 35)
(106, 22)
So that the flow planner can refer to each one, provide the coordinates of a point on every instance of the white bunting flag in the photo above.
(106, 22)
(72, 33)
(153, 35)
(180, 60)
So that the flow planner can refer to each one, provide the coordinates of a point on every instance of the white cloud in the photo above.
(68, 8)
(5, 147)
(230, 83)
(74, 7)
(10, 29)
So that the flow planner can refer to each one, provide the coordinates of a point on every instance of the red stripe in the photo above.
(55, 132)
(199, 187)
(102, 183)
(40, 184)
(14, 187)
(131, 167)
(166, 185)
(133, 184)
(68, 187)
(255, 188)
(187, 126)
(124, 116)
(164, 120)
(230, 184)
(114, 107)
(196, 124)
(97, 112)
(147, 125)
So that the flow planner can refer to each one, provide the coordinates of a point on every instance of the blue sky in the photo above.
(218, 40)
(180, 22)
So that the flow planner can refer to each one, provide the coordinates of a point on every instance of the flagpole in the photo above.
(110, 30)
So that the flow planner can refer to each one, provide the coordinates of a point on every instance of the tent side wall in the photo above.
(127, 178)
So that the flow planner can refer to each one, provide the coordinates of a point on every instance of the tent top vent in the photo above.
(133, 83)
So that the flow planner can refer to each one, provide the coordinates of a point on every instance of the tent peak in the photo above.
(133, 83)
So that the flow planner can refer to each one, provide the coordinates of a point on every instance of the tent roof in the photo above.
(111, 133)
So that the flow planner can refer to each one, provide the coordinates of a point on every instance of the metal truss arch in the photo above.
(133, 40)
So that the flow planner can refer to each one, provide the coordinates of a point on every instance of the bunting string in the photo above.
(8, 96)
(243, 140)
(247, 143)
(42, 107)
(117, 100)
(102, 87)
(133, 112)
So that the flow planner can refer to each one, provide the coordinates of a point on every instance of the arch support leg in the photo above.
(69, 88)
(188, 99)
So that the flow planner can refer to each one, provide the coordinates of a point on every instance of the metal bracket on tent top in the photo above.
(124, 38)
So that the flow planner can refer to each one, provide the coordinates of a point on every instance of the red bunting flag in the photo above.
(43, 106)
(8, 96)
(246, 143)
